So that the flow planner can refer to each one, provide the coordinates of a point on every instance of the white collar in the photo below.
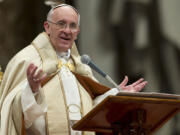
(64, 55)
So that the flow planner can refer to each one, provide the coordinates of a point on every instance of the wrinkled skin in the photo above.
(62, 39)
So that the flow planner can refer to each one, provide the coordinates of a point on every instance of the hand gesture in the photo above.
(134, 87)
(34, 78)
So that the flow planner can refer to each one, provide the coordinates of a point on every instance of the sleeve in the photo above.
(98, 99)
(31, 109)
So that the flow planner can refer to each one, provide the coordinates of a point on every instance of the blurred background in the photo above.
(137, 38)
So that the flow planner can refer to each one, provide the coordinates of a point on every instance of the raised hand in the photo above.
(34, 77)
(134, 87)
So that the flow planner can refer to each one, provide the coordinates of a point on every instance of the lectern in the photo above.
(126, 113)
(130, 114)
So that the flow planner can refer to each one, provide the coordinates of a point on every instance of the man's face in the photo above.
(62, 38)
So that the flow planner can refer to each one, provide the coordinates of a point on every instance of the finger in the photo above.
(124, 82)
(32, 74)
(29, 69)
(37, 76)
(43, 77)
(140, 86)
(32, 69)
(143, 83)
(40, 77)
(137, 82)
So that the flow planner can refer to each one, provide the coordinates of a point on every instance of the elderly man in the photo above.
(40, 93)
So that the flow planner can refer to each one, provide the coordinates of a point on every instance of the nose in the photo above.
(67, 29)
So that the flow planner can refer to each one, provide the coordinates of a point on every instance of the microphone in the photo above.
(87, 60)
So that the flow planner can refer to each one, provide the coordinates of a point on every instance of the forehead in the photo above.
(65, 13)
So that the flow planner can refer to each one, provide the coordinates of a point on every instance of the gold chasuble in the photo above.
(42, 54)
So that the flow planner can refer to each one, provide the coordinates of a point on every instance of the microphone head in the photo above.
(85, 59)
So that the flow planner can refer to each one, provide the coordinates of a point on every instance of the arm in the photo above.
(134, 87)
(31, 109)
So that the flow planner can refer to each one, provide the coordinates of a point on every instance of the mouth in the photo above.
(65, 38)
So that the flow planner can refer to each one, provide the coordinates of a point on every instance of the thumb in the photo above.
(124, 82)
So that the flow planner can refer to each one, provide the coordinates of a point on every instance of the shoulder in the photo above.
(23, 58)
(28, 54)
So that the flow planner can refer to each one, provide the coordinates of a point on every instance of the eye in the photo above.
(61, 24)
(73, 25)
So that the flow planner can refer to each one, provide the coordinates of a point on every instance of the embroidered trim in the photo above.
(69, 65)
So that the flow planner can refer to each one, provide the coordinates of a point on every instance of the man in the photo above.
(49, 107)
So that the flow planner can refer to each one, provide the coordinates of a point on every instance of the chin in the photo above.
(61, 46)
(65, 46)
(63, 49)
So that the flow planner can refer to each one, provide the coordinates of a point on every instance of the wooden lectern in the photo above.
(127, 113)
(130, 114)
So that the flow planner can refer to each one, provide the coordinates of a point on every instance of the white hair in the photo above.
(49, 15)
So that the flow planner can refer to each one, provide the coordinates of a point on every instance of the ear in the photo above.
(46, 27)
(77, 33)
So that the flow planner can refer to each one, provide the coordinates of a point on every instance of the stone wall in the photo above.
(20, 22)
